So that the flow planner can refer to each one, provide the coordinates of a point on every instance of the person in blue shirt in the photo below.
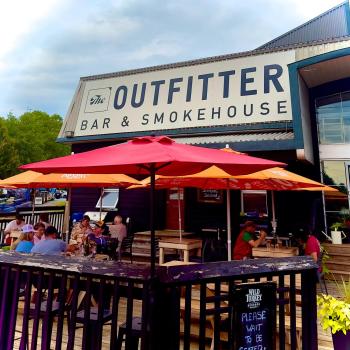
(25, 243)
(51, 245)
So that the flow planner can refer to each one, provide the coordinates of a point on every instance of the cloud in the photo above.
(18, 17)
(61, 41)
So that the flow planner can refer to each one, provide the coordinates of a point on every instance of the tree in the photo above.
(9, 160)
(34, 134)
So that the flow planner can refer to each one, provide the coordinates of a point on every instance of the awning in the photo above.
(233, 138)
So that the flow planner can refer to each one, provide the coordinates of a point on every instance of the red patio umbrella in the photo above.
(150, 155)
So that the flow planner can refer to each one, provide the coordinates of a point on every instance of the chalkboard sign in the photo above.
(254, 318)
(210, 196)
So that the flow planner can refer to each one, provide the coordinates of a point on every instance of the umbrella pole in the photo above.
(179, 208)
(152, 212)
(33, 206)
(228, 214)
(67, 214)
(102, 192)
(273, 222)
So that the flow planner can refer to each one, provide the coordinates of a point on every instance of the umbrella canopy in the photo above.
(150, 155)
(277, 179)
(20, 180)
(324, 188)
(141, 154)
(33, 179)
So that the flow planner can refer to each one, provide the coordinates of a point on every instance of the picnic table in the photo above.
(185, 244)
(273, 252)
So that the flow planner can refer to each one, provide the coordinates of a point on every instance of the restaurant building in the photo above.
(287, 100)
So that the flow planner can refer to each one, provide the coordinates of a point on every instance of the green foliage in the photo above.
(336, 226)
(9, 160)
(335, 312)
(325, 258)
(29, 138)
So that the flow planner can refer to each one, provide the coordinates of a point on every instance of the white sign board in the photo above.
(253, 89)
(38, 201)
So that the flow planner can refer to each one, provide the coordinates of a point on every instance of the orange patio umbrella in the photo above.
(20, 180)
(33, 179)
(275, 179)
(281, 179)
(326, 189)
(278, 179)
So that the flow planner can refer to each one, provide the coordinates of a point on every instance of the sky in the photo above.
(47, 45)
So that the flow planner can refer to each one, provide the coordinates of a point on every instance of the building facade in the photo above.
(287, 100)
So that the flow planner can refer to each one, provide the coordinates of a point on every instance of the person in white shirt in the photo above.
(118, 230)
(15, 225)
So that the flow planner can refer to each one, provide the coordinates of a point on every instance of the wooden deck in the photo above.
(325, 341)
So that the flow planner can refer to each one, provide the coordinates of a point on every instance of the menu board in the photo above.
(254, 316)
(210, 196)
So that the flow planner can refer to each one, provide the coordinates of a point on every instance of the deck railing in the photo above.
(105, 299)
(55, 216)
(202, 295)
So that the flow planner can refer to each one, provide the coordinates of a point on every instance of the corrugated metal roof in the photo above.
(246, 137)
(255, 52)
(329, 25)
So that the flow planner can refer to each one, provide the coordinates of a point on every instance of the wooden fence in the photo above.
(55, 217)
(165, 303)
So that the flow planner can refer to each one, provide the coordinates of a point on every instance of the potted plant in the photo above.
(334, 314)
(336, 234)
(336, 226)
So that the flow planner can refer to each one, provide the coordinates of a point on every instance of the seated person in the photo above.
(39, 232)
(105, 229)
(96, 237)
(51, 245)
(312, 245)
(246, 241)
(25, 243)
(44, 219)
(118, 229)
(81, 230)
(14, 225)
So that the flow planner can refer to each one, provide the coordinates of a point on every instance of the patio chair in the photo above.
(93, 322)
(214, 250)
(125, 248)
(135, 334)
(209, 313)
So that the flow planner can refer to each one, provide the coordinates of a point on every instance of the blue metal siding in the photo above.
(329, 25)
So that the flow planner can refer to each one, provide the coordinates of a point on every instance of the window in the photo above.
(254, 204)
(333, 118)
(110, 198)
(334, 174)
